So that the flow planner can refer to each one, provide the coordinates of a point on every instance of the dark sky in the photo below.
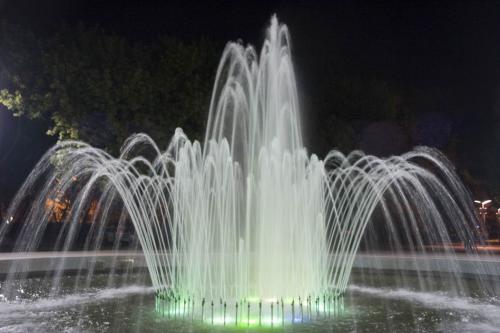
(421, 43)
(452, 46)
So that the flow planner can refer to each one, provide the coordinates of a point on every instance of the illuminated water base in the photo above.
(251, 311)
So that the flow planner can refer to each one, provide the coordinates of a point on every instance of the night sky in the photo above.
(450, 46)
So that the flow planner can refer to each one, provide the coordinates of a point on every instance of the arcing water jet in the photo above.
(248, 214)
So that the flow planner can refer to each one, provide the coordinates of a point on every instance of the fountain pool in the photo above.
(376, 305)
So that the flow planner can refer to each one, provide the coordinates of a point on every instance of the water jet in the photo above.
(248, 214)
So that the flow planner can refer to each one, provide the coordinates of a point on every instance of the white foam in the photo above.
(20, 309)
(442, 301)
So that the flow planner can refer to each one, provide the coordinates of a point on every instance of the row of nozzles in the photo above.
(249, 312)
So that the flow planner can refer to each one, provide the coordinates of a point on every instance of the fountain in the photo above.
(247, 228)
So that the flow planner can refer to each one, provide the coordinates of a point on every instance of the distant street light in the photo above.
(483, 211)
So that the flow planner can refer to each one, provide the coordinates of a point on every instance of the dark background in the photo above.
(449, 47)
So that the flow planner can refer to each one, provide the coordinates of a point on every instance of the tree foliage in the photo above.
(351, 103)
(101, 88)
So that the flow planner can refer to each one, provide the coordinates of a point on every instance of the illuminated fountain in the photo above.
(247, 227)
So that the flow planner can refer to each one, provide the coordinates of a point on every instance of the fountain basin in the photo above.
(125, 303)
(43, 262)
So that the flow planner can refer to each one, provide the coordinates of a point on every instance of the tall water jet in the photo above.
(248, 215)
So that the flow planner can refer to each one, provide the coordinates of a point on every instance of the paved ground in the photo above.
(492, 246)
(69, 254)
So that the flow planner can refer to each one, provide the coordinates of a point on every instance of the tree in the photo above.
(100, 88)
(348, 104)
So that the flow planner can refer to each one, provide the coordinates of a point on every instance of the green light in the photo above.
(253, 299)
(250, 312)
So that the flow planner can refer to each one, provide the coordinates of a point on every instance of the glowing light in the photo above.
(270, 314)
